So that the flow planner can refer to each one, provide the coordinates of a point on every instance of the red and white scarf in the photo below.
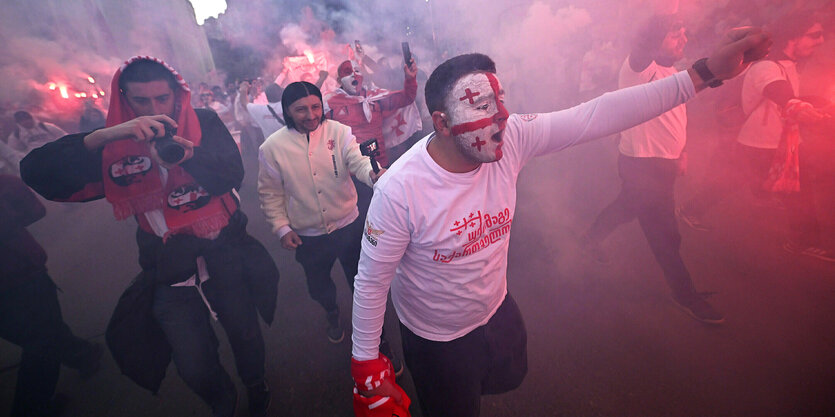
(133, 183)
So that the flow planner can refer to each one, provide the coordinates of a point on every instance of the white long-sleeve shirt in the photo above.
(439, 240)
(304, 181)
(10, 159)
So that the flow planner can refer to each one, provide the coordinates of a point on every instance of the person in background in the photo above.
(306, 192)
(91, 117)
(251, 135)
(31, 133)
(651, 157)
(363, 107)
(775, 113)
(9, 159)
(267, 115)
(30, 315)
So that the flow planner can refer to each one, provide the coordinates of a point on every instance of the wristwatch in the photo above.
(701, 68)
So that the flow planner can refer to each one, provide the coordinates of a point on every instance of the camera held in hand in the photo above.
(167, 148)
(369, 149)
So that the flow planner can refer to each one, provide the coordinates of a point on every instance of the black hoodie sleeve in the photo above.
(64, 170)
(216, 164)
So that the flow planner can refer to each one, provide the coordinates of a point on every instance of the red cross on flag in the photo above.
(401, 125)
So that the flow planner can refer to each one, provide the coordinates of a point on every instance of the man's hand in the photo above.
(291, 240)
(323, 76)
(373, 382)
(376, 175)
(411, 69)
(740, 47)
(140, 129)
(387, 388)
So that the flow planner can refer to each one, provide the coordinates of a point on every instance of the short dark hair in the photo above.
(145, 70)
(651, 34)
(792, 27)
(273, 92)
(443, 77)
(295, 91)
(22, 115)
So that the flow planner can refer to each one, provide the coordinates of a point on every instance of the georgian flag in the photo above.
(401, 125)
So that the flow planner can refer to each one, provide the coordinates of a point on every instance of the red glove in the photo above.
(369, 375)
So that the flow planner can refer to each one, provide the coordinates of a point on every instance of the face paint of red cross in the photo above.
(469, 96)
(478, 116)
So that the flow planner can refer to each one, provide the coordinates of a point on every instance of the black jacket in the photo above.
(65, 170)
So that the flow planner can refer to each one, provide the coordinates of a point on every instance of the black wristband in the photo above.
(701, 68)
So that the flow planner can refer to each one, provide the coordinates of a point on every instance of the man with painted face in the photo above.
(307, 195)
(363, 108)
(651, 157)
(197, 259)
(438, 228)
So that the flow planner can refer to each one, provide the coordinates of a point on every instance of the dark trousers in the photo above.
(185, 319)
(802, 206)
(450, 377)
(317, 255)
(30, 317)
(647, 194)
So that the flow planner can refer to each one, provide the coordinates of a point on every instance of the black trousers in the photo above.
(806, 228)
(450, 377)
(647, 194)
(317, 255)
(30, 317)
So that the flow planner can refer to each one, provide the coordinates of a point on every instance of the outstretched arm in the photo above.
(625, 108)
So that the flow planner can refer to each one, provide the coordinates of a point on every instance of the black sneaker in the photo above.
(259, 399)
(335, 332)
(811, 251)
(396, 363)
(696, 306)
